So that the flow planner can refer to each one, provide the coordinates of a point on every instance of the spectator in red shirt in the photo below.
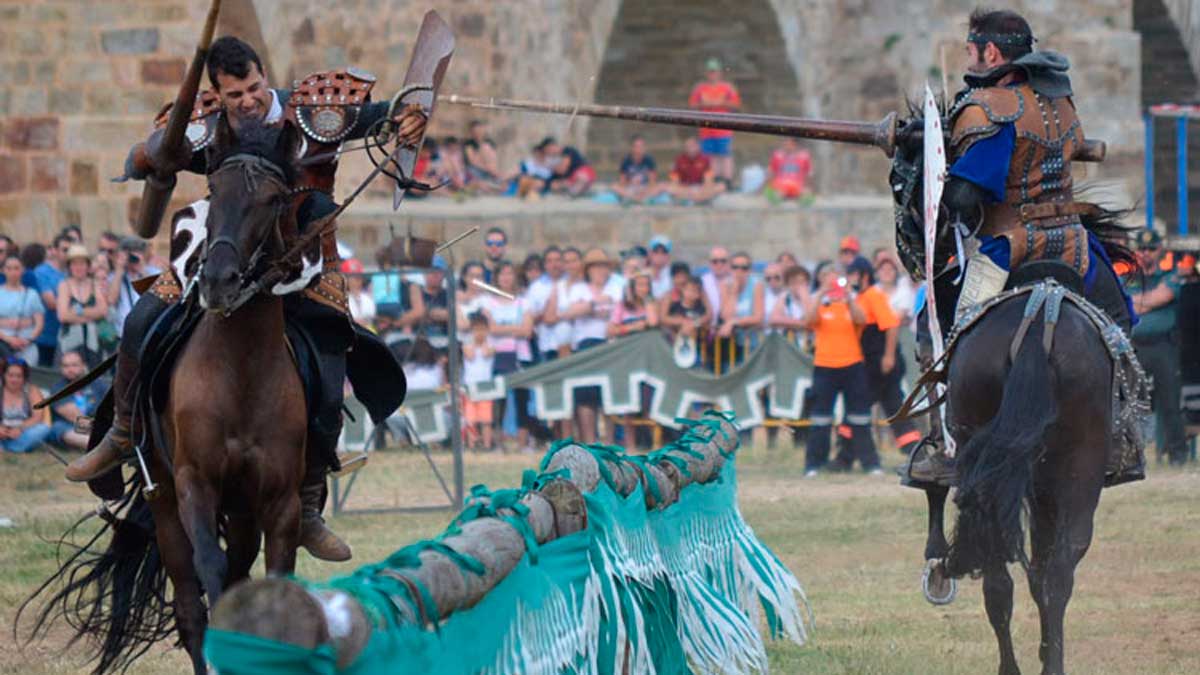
(692, 177)
(572, 173)
(790, 168)
(715, 94)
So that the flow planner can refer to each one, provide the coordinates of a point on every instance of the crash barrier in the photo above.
(600, 562)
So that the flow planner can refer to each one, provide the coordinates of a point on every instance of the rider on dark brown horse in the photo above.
(329, 108)
(1013, 133)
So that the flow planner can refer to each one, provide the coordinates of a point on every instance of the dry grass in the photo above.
(855, 542)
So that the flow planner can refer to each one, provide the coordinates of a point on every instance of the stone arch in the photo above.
(655, 53)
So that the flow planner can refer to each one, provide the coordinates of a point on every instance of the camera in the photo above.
(135, 258)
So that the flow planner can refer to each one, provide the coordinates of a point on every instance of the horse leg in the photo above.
(998, 599)
(938, 587)
(281, 523)
(191, 618)
(1060, 537)
(243, 540)
(198, 511)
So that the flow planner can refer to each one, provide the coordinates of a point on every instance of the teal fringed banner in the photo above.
(682, 589)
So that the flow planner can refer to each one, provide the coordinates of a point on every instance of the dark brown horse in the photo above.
(233, 431)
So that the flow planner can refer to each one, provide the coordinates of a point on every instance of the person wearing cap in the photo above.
(435, 298)
(658, 262)
(362, 305)
(80, 306)
(590, 307)
(1155, 292)
(129, 264)
(716, 94)
(848, 250)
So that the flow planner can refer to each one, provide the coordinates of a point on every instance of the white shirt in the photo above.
(362, 306)
(591, 326)
(562, 331)
(536, 297)
(660, 284)
(424, 378)
(770, 299)
(479, 368)
(902, 298)
(507, 312)
(712, 290)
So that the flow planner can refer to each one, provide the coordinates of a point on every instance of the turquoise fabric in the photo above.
(672, 591)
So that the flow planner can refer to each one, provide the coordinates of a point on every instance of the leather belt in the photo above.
(1032, 212)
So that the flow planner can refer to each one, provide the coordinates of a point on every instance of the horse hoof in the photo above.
(938, 588)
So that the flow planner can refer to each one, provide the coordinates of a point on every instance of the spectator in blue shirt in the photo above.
(639, 174)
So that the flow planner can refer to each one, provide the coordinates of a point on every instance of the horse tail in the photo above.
(995, 467)
(115, 597)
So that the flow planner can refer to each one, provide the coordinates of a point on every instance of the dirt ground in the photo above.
(854, 542)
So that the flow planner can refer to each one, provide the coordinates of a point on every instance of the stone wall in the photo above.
(79, 81)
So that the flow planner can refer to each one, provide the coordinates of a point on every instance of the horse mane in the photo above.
(273, 142)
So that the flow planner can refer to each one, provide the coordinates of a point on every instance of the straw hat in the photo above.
(78, 251)
(596, 256)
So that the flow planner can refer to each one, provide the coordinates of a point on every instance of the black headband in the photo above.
(1001, 39)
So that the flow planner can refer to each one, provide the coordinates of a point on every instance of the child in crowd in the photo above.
(424, 370)
(478, 355)
(690, 313)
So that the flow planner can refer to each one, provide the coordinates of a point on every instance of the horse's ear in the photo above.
(289, 140)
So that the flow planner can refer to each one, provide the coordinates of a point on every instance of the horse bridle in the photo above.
(254, 168)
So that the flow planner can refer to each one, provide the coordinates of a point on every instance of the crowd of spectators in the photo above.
(714, 312)
(702, 170)
(62, 307)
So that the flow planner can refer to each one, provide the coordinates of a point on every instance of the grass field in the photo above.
(854, 542)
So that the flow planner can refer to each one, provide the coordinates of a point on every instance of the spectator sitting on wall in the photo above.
(536, 172)
(638, 181)
(483, 160)
(22, 427)
(788, 172)
(362, 304)
(573, 175)
(478, 355)
(692, 178)
(22, 315)
(82, 403)
(451, 166)
(715, 94)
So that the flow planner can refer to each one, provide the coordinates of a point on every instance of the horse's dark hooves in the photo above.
(939, 589)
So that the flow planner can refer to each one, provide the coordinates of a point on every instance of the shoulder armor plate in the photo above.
(1000, 104)
(202, 125)
(327, 104)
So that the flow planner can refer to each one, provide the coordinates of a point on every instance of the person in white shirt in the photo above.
(510, 327)
(718, 271)
(590, 307)
(896, 286)
(559, 304)
(789, 314)
(362, 304)
(478, 361)
(659, 262)
(541, 273)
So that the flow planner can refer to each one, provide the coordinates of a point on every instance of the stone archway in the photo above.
(655, 53)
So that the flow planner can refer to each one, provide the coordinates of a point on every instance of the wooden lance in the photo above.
(882, 134)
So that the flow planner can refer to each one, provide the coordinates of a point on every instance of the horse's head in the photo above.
(250, 190)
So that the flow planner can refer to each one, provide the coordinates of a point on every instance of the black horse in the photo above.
(1033, 428)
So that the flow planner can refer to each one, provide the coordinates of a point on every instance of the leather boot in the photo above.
(116, 444)
(315, 537)
(928, 465)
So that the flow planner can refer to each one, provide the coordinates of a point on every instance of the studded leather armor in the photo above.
(1039, 215)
